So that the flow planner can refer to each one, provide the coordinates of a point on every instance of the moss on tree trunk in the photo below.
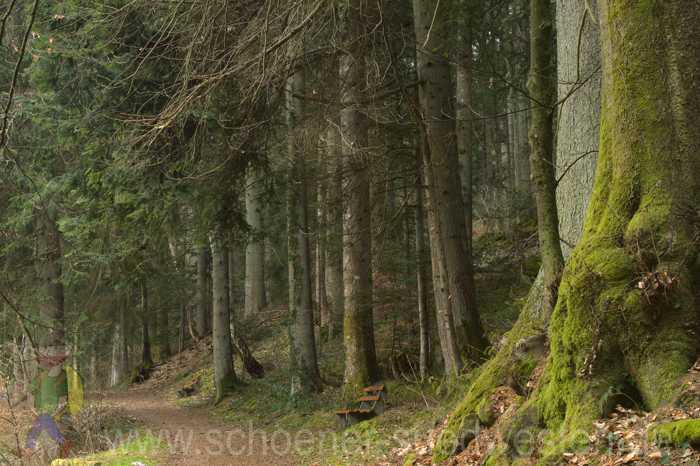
(626, 319)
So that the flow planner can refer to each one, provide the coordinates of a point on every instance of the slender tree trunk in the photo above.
(422, 281)
(255, 295)
(164, 332)
(306, 378)
(119, 346)
(358, 327)
(145, 317)
(200, 321)
(334, 240)
(542, 87)
(224, 373)
(321, 244)
(238, 343)
(444, 183)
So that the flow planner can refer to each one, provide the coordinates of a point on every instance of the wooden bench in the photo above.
(371, 404)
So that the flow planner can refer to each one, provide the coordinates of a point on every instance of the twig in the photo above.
(15, 74)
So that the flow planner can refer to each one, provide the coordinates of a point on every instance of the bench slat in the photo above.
(374, 388)
(353, 411)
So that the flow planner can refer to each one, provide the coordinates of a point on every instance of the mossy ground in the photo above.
(680, 434)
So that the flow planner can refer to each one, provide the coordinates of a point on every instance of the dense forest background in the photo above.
(453, 196)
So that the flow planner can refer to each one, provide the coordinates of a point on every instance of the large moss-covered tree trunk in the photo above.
(627, 310)
(626, 319)
(578, 63)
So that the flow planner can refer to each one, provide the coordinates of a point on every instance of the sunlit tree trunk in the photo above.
(119, 364)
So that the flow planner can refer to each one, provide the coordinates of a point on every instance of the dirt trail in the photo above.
(194, 438)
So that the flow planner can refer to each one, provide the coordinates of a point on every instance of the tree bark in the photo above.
(542, 88)
(334, 238)
(578, 119)
(50, 251)
(422, 280)
(358, 326)
(322, 245)
(147, 357)
(255, 294)
(444, 185)
(200, 321)
(119, 346)
(306, 378)
(464, 117)
(224, 373)
(163, 332)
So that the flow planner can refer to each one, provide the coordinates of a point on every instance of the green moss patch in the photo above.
(678, 433)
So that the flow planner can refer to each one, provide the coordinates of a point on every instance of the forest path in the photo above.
(193, 437)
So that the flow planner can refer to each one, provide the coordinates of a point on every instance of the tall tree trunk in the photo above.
(334, 238)
(145, 318)
(224, 373)
(422, 280)
(255, 295)
(444, 183)
(53, 342)
(464, 117)
(542, 87)
(163, 332)
(119, 346)
(578, 119)
(360, 355)
(200, 321)
(306, 377)
(321, 244)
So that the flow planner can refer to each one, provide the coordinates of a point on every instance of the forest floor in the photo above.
(191, 436)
